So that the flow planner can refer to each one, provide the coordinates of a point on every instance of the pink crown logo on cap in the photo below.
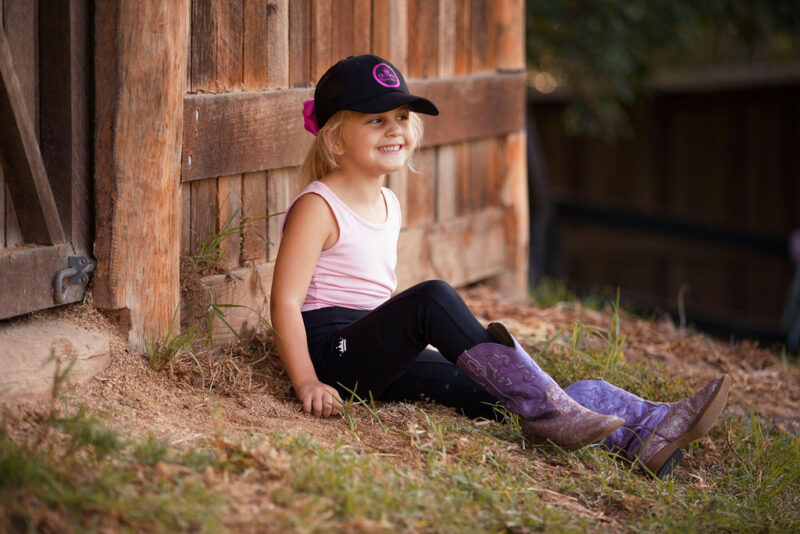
(385, 75)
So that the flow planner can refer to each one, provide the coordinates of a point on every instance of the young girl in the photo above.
(339, 327)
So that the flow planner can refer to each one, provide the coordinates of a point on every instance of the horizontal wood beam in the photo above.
(38, 266)
(461, 251)
(22, 160)
(241, 132)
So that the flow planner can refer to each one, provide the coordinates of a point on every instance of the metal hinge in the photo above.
(76, 274)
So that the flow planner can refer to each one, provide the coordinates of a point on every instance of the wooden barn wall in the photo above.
(19, 21)
(701, 196)
(251, 65)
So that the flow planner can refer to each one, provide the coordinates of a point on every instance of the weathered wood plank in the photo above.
(248, 288)
(254, 66)
(278, 39)
(13, 231)
(243, 132)
(230, 45)
(203, 45)
(299, 43)
(204, 211)
(35, 292)
(390, 31)
(343, 29)
(248, 132)
(420, 190)
(64, 112)
(423, 41)
(25, 173)
(445, 183)
(321, 38)
(254, 208)
(447, 38)
(462, 37)
(21, 30)
(510, 20)
(229, 212)
(514, 282)
(283, 185)
(461, 251)
(137, 163)
(2, 189)
(398, 183)
(186, 219)
(481, 36)
(362, 20)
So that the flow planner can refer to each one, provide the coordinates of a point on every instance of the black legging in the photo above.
(383, 351)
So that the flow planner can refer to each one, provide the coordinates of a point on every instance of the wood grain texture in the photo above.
(25, 173)
(362, 21)
(510, 35)
(254, 76)
(514, 281)
(254, 209)
(21, 28)
(390, 31)
(463, 41)
(137, 170)
(204, 211)
(248, 132)
(248, 289)
(461, 251)
(278, 44)
(65, 120)
(243, 132)
(300, 43)
(447, 38)
(423, 39)
(229, 214)
(321, 38)
(283, 185)
(445, 183)
(2, 194)
(420, 190)
(482, 42)
(38, 263)
(343, 28)
(186, 219)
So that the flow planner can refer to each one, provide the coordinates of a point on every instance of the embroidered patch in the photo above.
(385, 75)
(342, 346)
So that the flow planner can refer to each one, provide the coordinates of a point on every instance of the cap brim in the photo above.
(391, 100)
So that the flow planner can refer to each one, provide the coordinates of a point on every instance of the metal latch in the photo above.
(77, 273)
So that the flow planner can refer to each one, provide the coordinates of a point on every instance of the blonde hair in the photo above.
(321, 160)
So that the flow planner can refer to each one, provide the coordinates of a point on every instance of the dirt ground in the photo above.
(252, 398)
(246, 394)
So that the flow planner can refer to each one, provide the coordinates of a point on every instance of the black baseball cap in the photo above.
(365, 83)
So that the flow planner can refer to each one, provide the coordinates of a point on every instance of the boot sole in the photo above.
(597, 436)
(707, 419)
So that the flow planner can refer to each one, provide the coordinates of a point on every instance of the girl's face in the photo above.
(376, 143)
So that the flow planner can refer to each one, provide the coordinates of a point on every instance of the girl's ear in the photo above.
(333, 140)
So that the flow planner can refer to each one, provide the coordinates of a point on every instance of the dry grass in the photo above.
(227, 435)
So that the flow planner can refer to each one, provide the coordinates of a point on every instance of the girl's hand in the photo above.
(320, 399)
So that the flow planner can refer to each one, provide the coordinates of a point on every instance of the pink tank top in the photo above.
(358, 271)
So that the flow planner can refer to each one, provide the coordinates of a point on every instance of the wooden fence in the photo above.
(702, 196)
(249, 67)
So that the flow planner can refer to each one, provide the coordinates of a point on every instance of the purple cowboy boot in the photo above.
(654, 432)
(546, 412)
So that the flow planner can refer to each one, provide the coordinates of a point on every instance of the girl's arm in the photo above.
(310, 228)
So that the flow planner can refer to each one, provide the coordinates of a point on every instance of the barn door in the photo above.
(44, 154)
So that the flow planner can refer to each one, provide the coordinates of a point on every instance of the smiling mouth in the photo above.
(390, 148)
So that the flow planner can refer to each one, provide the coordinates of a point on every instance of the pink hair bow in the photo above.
(310, 119)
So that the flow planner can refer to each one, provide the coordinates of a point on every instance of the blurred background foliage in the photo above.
(605, 54)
